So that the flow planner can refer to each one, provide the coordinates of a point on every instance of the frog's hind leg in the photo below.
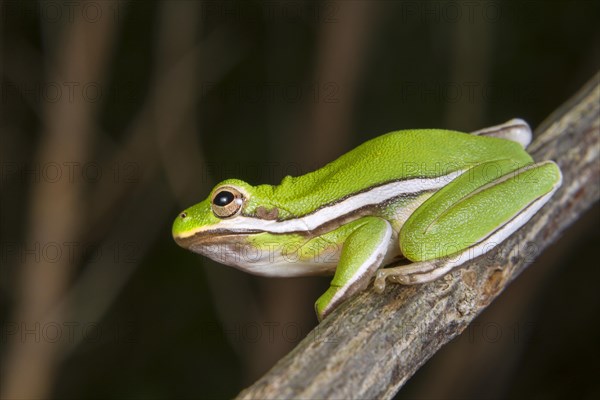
(516, 130)
(467, 219)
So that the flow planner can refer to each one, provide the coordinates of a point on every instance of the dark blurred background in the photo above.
(118, 114)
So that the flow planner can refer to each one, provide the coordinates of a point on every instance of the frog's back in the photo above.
(399, 155)
(396, 154)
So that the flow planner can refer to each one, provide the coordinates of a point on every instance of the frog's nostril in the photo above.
(183, 215)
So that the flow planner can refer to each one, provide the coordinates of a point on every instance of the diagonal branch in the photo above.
(370, 346)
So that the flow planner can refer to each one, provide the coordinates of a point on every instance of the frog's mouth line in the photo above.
(213, 237)
(225, 236)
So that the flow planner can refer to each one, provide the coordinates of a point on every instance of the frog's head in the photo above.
(215, 216)
(228, 219)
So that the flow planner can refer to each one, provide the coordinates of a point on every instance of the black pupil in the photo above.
(223, 198)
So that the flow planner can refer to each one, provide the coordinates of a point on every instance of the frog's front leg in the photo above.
(362, 253)
(469, 217)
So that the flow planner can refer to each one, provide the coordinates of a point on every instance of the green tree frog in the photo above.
(420, 202)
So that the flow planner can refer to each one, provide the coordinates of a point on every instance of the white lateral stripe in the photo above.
(312, 221)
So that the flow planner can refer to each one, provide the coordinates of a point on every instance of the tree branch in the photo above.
(371, 345)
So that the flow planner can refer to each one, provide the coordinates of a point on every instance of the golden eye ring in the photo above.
(227, 201)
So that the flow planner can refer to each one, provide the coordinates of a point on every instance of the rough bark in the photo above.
(371, 345)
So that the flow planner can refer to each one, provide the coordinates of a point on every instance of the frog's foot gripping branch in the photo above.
(516, 130)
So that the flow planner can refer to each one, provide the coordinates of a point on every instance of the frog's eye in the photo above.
(227, 201)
